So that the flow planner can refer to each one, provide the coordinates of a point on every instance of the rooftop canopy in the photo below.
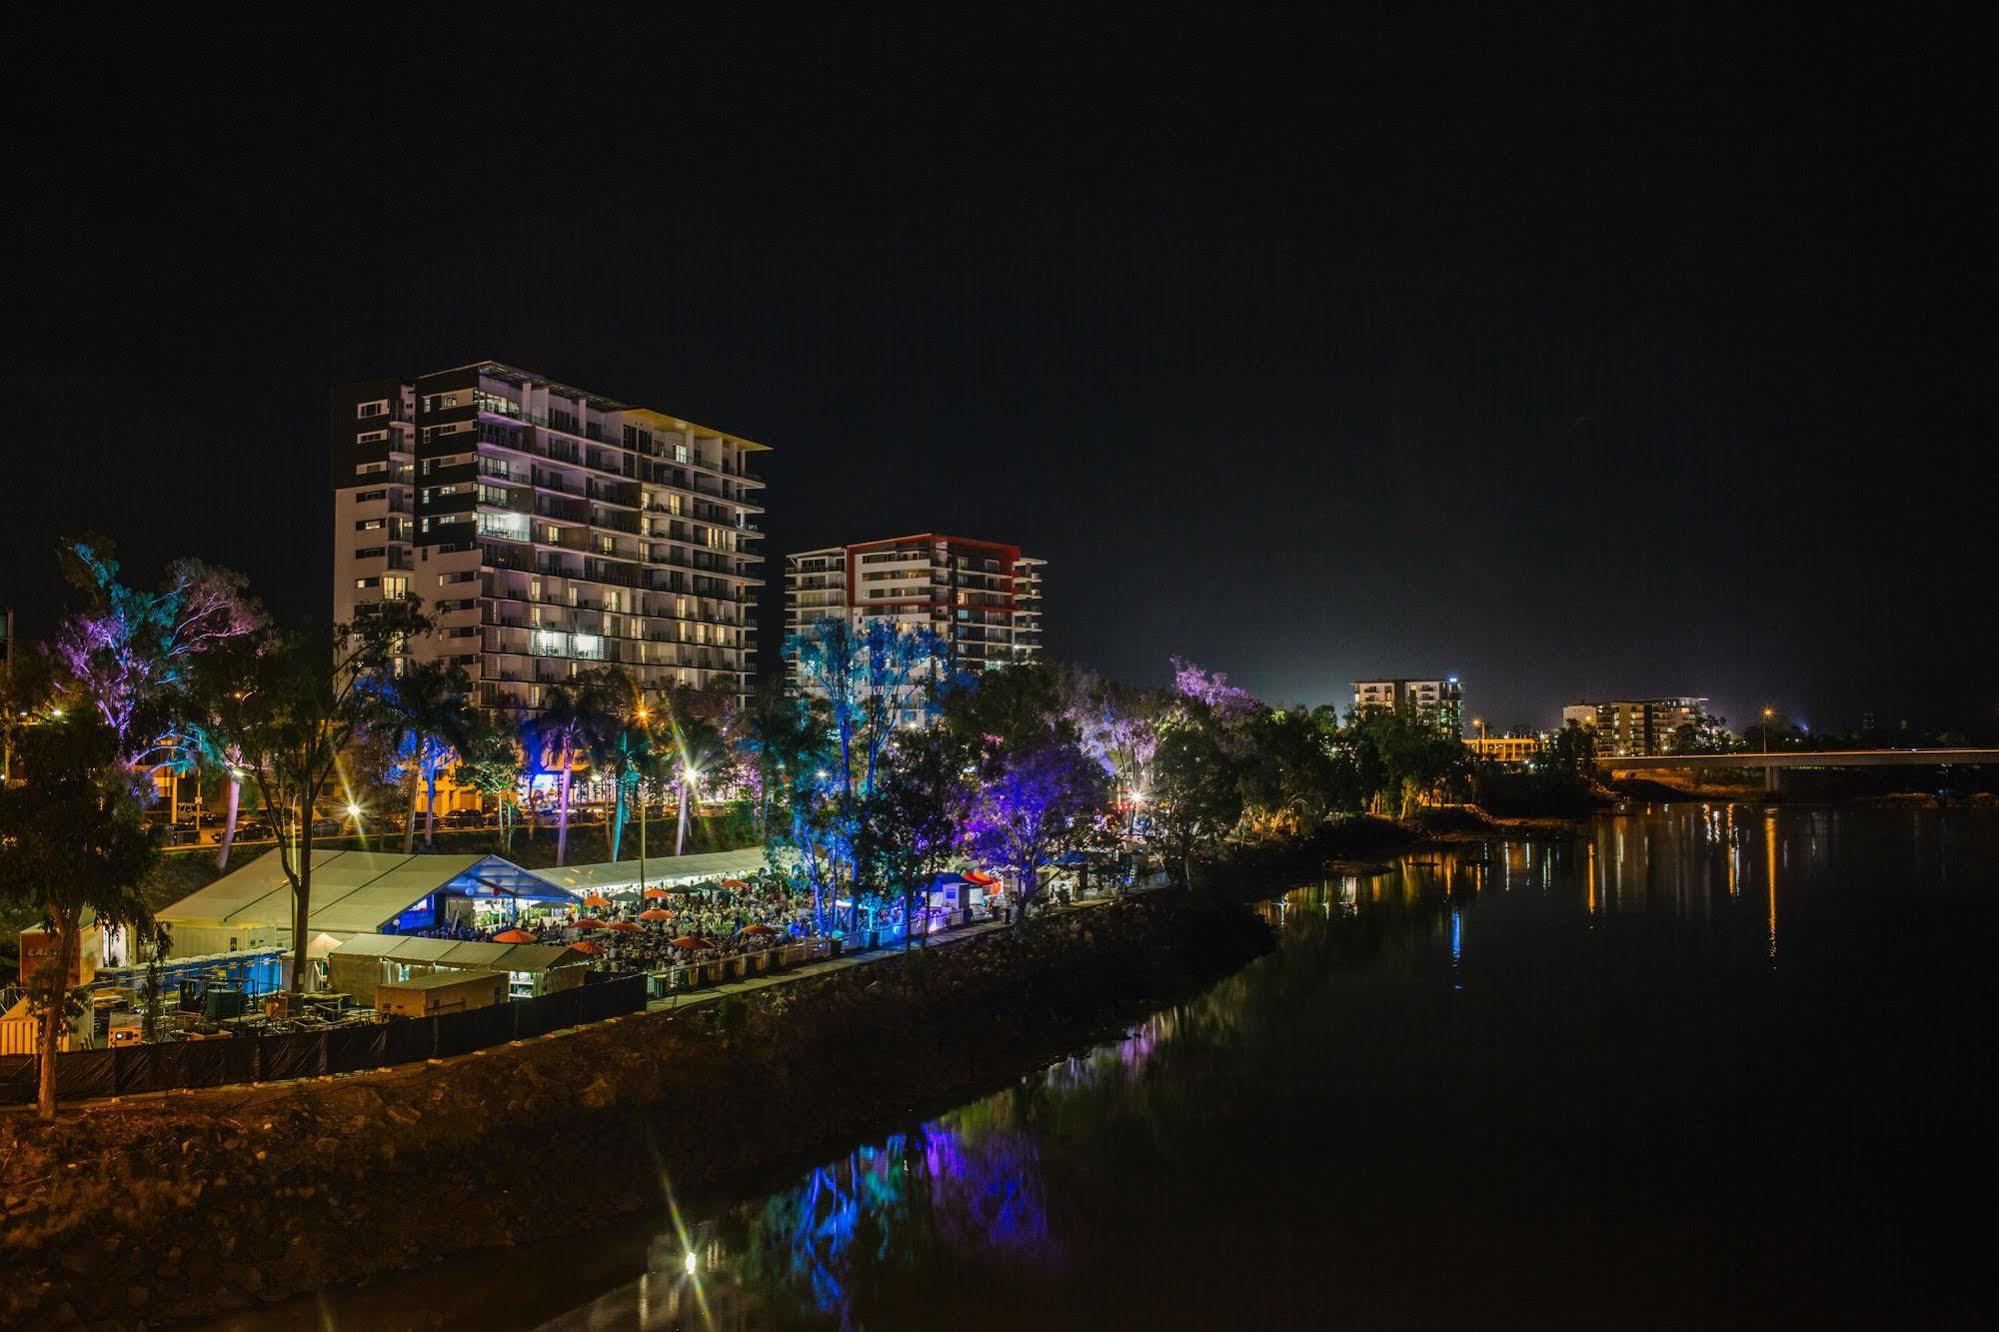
(664, 871)
(460, 954)
(353, 892)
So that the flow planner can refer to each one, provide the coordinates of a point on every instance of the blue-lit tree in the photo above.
(871, 680)
(424, 712)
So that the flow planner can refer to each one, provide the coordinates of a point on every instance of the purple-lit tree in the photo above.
(573, 713)
(1030, 805)
(129, 653)
(912, 825)
(1118, 726)
(1212, 689)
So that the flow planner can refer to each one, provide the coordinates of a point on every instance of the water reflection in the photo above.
(1604, 1072)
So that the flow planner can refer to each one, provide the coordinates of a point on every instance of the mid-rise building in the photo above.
(1512, 750)
(1633, 727)
(1442, 700)
(6, 640)
(549, 529)
(983, 598)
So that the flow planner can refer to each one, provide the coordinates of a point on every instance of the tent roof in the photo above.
(352, 891)
(460, 954)
(612, 875)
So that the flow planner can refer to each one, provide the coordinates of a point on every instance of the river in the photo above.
(1699, 1065)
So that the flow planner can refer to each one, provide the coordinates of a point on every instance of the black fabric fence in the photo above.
(131, 1069)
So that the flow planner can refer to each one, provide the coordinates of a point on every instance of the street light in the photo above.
(1768, 713)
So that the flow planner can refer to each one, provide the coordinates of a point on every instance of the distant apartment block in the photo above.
(6, 640)
(1633, 727)
(983, 598)
(1442, 700)
(548, 528)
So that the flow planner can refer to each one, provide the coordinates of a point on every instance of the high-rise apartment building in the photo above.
(1442, 700)
(548, 529)
(1633, 727)
(983, 598)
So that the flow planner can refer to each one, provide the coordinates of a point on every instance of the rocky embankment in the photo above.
(144, 1211)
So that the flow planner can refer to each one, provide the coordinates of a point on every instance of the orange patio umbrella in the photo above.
(735, 885)
(513, 936)
(656, 894)
(597, 902)
(691, 941)
(981, 878)
(655, 915)
(626, 926)
(589, 923)
(758, 928)
(589, 946)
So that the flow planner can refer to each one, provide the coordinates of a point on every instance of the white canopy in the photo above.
(661, 871)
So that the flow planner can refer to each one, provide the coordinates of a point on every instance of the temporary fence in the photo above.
(171, 1065)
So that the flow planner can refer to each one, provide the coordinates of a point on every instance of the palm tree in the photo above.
(697, 748)
(427, 716)
(572, 717)
(490, 764)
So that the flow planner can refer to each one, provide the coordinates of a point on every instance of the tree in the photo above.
(490, 763)
(290, 704)
(872, 680)
(130, 654)
(425, 713)
(1570, 754)
(1035, 804)
(573, 715)
(73, 843)
(1118, 726)
(782, 735)
(697, 747)
(913, 823)
(1199, 789)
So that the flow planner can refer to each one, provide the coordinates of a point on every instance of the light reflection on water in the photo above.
(1605, 1072)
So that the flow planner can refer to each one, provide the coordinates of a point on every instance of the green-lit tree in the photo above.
(490, 763)
(574, 713)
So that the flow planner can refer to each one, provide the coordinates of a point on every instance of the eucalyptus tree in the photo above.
(130, 654)
(290, 704)
(75, 846)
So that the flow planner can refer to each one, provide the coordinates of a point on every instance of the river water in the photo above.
(1700, 1065)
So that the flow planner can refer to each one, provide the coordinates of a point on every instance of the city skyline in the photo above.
(1341, 382)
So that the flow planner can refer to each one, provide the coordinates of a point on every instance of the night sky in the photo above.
(1578, 356)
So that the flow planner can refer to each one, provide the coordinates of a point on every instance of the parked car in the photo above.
(463, 818)
(250, 830)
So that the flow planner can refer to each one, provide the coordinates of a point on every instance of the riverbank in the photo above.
(203, 1201)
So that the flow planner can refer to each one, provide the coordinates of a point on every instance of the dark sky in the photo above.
(1580, 355)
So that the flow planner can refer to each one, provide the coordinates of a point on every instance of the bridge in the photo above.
(1777, 760)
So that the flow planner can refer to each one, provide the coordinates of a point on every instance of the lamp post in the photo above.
(1768, 713)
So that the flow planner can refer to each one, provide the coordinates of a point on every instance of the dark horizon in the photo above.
(1577, 358)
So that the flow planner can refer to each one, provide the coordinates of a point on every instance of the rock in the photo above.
(136, 1296)
(405, 1114)
(599, 1095)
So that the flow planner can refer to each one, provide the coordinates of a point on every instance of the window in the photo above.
(507, 526)
(362, 584)
(370, 468)
(395, 587)
(494, 403)
(371, 437)
(439, 402)
(379, 407)
(368, 525)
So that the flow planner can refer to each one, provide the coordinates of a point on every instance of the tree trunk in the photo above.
(409, 824)
(680, 838)
(562, 813)
(430, 806)
(302, 905)
(617, 817)
(229, 823)
(54, 1014)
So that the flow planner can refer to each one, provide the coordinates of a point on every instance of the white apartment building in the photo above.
(548, 529)
(983, 598)
(1631, 727)
(1442, 699)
